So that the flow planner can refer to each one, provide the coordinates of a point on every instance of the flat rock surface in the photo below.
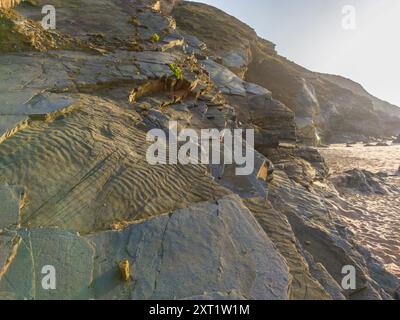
(70, 255)
(10, 202)
(230, 256)
(226, 80)
(10, 124)
(227, 248)
(89, 170)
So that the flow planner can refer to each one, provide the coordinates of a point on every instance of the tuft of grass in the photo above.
(155, 37)
(177, 71)
(32, 3)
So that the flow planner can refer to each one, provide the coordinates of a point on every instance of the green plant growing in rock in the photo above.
(155, 37)
(177, 71)
(32, 3)
(145, 106)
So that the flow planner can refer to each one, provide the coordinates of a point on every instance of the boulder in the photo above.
(382, 144)
(361, 181)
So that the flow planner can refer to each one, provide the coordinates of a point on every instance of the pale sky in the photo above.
(310, 32)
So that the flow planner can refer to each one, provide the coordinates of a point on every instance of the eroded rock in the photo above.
(360, 181)
(188, 232)
(11, 201)
(230, 256)
(11, 124)
(70, 255)
(228, 251)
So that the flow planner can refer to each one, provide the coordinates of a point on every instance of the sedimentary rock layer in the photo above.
(78, 194)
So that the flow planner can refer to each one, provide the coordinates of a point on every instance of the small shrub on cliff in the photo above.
(155, 37)
(176, 70)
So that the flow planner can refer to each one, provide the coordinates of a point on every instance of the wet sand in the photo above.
(378, 228)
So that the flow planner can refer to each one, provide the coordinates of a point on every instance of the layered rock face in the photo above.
(77, 193)
(326, 107)
(7, 4)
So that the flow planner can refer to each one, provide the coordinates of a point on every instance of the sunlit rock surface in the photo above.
(77, 193)
(327, 107)
(228, 250)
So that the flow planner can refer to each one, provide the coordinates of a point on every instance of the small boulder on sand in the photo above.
(360, 181)
(382, 144)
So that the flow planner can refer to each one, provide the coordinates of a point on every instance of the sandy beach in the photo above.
(378, 228)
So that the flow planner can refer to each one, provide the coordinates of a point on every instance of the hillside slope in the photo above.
(379, 105)
(325, 107)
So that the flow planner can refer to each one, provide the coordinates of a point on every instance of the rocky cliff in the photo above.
(327, 108)
(77, 193)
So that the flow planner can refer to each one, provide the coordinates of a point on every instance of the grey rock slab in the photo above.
(24, 80)
(320, 273)
(224, 79)
(23, 76)
(194, 42)
(154, 70)
(153, 23)
(69, 254)
(172, 40)
(312, 215)
(155, 64)
(360, 181)
(17, 71)
(9, 243)
(236, 60)
(10, 199)
(32, 71)
(255, 89)
(194, 46)
(386, 280)
(119, 66)
(247, 186)
(37, 105)
(206, 248)
(17, 278)
(80, 19)
(229, 83)
(11, 124)
(155, 57)
(289, 196)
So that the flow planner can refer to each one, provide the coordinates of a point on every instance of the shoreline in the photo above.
(378, 227)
